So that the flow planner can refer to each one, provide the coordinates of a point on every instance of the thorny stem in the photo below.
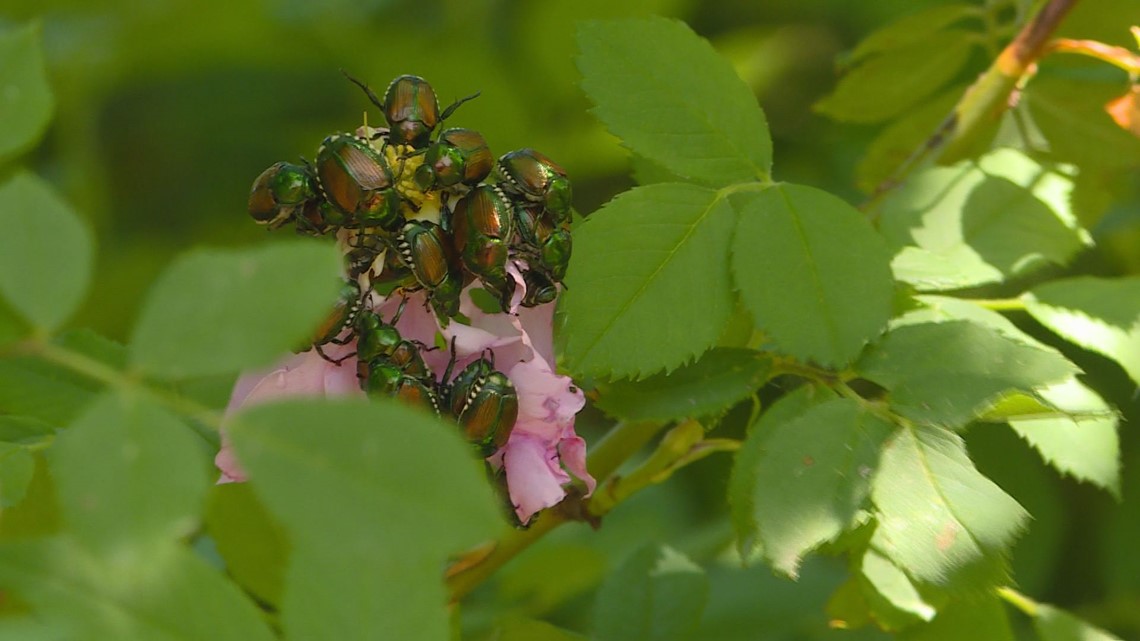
(979, 109)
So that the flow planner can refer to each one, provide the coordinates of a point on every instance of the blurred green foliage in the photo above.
(166, 111)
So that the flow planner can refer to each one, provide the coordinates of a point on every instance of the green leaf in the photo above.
(813, 478)
(746, 468)
(16, 469)
(895, 144)
(812, 271)
(38, 514)
(980, 619)
(656, 595)
(54, 394)
(720, 379)
(46, 252)
(648, 285)
(1066, 422)
(888, 84)
(18, 429)
(1086, 448)
(1101, 315)
(668, 95)
(157, 593)
(252, 544)
(217, 311)
(1071, 114)
(374, 497)
(43, 391)
(129, 475)
(984, 222)
(1117, 537)
(26, 628)
(939, 518)
(580, 569)
(1054, 624)
(517, 628)
(887, 582)
(949, 373)
(913, 29)
(12, 326)
(26, 104)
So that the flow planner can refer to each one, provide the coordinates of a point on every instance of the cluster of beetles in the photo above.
(381, 191)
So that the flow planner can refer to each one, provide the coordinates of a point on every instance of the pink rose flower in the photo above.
(304, 374)
(543, 450)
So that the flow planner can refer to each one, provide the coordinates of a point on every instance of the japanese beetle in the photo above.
(356, 180)
(485, 404)
(341, 318)
(538, 179)
(427, 251)
(388, 379)
(280, 192)
(458, 156)
(546, 245)
(486, 258)
(411, 109)
(540, 289)
(485, 211)
(374, 337)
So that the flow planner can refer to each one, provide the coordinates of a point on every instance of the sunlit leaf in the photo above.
(648, 286)
(26, 103)
(395, 489)
(972, 224)
(887, 84)
(812, 478)
(1066, 422)
(812, 271)
(46, 251)
(889, 583)
(743, 484)
(658, 594)
(717, 381)
(949, 373)
(668, 95)
(1101, 315)
(1085, 445)
(217, 311)
(939, 518)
